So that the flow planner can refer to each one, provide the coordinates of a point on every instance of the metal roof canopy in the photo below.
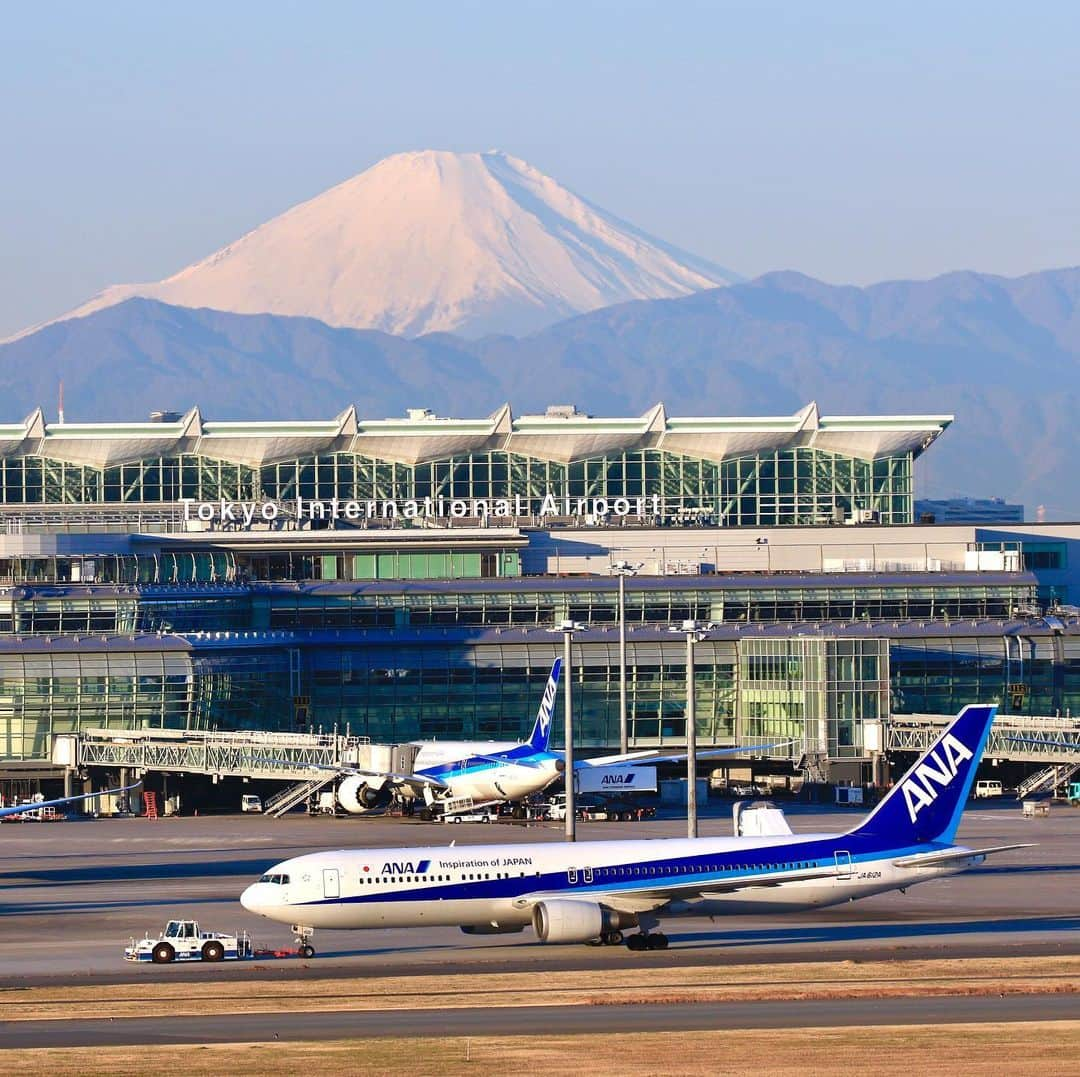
(422, 436)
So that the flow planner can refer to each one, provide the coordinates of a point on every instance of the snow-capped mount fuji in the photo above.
(473, 243)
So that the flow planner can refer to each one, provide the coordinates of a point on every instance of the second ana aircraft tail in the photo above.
(541, 733)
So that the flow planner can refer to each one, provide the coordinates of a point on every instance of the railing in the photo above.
(1012, 737)
(1047, 780)
(291, 795)
(288, 756)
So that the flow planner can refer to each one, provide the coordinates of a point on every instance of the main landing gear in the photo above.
(654, 940)
(302, 938)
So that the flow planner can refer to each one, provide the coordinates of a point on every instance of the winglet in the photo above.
(926, 804)
(541, 733)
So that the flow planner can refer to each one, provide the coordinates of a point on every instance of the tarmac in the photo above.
(72, 895)
(525, 1020)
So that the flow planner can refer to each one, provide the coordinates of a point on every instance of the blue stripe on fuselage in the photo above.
(731, 864)
(462, 767)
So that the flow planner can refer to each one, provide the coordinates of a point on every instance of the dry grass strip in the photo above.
(637, 985)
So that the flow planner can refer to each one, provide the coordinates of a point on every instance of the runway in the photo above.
(71, 895)
(682, 1017)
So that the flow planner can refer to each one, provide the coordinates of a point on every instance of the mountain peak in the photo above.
(433, 240)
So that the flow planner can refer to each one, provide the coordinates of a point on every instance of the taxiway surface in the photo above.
(524, 1021)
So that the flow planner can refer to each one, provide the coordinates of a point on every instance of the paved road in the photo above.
(71, 894)
(261, 1028)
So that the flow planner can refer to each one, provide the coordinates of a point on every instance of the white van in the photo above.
(250, 802)
(988, 789)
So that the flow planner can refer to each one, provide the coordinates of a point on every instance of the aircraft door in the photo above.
(844, 867)
(331, 883)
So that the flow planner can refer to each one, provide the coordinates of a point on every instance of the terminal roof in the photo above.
(560, 437)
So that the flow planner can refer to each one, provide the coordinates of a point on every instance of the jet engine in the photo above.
(361, 793)
(570, 920)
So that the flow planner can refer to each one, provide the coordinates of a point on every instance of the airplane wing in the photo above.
(948, 856)
(655, 755)
(18, 809)
(346, 771)
(648, 897)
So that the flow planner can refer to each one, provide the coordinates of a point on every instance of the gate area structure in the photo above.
(284, 756)
(1053, 741)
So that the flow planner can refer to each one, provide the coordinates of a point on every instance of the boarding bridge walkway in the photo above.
(1053, 741)
(295, 757)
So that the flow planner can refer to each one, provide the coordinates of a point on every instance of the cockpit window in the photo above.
(280, 880)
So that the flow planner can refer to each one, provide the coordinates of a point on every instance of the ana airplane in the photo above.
(467, 774)
(590, 891)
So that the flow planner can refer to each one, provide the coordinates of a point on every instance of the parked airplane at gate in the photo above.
(590, 891)
(473, 773)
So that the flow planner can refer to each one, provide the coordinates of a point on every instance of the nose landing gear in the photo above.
(302, 937)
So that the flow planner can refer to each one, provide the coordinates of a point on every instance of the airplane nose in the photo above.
(249, 898)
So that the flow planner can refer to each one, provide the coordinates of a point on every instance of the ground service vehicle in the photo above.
(183, 941)
(486, 814)
(988, 788)
(599, 809)
(250, 802)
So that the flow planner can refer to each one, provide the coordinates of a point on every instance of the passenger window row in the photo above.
(371, 880)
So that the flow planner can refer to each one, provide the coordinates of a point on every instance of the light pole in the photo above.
(567, 628)
(623, 569)
(693, 634)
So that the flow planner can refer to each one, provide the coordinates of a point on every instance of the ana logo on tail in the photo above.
(935, 772)
(547, 704)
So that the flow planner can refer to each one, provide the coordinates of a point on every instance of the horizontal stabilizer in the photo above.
(949, 856)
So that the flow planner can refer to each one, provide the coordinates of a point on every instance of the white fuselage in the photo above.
(498, 885)
(474, 770)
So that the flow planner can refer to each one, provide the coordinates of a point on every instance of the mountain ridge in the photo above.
(1002, 354)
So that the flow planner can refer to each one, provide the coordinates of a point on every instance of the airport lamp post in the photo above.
(693, 634)
(623, 569)
(567, 628)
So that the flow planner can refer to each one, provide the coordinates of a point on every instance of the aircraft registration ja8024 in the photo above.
(591, 891)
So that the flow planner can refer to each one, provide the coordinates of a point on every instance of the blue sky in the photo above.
(853, 141)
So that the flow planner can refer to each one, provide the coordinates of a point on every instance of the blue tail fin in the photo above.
(926, 804)
(541, 733)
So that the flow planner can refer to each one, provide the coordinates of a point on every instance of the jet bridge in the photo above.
(1013, 737)
(250, 754)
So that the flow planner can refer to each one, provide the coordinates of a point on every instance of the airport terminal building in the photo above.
(411, 578)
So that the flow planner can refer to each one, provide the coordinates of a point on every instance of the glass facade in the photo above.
(815, 690)
(45, 694)
(777, 487)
